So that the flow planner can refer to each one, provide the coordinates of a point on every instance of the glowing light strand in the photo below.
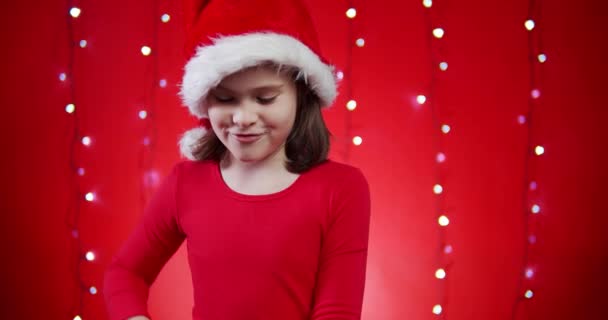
(530, 210)
(437, 60)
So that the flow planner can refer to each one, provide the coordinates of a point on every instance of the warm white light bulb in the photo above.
(529, 294)
(86, 141)
(438, 33)
(542, 58)
(77, 318)
(437, 309)
(165, 18)
(90, 196)
(357, 140)
(427, 3)
(535, 209)
(340, 75)
(443, 221)
(143, 114)
(75, 12)
(70, 108)
(93, 290)
(90, 256)
(440, 157)
(421, 99)
(351, 13)
(529, 24)
(539, 150)
(440, 273)
(83, 43)
(145, 50)
(360, 42)
(437, 189)
(162, 83)
(445, 128)
(62, 76)
(351, 105)
(443, 66)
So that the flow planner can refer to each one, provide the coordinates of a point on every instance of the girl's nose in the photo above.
(244, 116)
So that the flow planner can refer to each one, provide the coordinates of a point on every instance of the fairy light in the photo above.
(437, 189)
(142, 114)
(421, 99)
(90, 256)
(539, 150)
(360, 42)
(529, 24)
(90, 196)
(445, 128)
(62, 76)
(162, 83)
(93, 290)
(146, 51)
(83, 43)
(438, 66)
(75, 12)
(77, 318)
(86, 140)
(165, 18)
(351, 13)
(70, 108)
(357, 140)
(339, 75)
(531, 208)
(351, 105)
(438, 33)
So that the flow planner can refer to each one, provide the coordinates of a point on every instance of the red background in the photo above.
(485, 88)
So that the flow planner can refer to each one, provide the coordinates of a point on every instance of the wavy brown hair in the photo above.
(308, 142)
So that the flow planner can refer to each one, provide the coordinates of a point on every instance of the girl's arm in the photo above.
(138, 262)
(342, 266)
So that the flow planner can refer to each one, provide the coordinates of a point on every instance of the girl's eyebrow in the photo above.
(260, 88)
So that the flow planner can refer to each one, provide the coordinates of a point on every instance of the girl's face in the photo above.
(252, 112)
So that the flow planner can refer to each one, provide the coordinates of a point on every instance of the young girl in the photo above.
(274, 229)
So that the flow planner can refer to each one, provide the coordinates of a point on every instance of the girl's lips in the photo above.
(247, 137)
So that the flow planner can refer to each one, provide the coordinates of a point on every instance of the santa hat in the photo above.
(225, 36)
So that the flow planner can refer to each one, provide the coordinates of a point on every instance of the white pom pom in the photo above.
(189, 140)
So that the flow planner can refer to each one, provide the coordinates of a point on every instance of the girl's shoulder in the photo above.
(338, 171)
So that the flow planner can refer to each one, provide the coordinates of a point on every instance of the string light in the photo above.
(539, 150)
(93, 290)
(90, 196)
(142, 114)
(62, 76)
(437, 309)
(90, 256)
(165, 18)
(529, 24)
(427, 3)
(438, 33)
(75, 12)
(443, 221)
(445, 128)
(357, 140)
(83, 43)
(70, 108)
(145, 50)
(440, 157)
(162, 83)
(443, 66)
(351, 105)
(360, 42)
(440, 273)
(437, 189)
(77, 318)
(531, 208)
(86, 141)
(421, 99)
(340, 75)
(351, 13)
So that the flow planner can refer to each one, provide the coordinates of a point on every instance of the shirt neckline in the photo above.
(217, 174)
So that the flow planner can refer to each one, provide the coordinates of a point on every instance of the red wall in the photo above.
(481, 94)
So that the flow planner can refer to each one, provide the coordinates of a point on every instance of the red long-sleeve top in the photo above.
(296, 254)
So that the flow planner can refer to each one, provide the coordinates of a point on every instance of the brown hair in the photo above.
(308, 142)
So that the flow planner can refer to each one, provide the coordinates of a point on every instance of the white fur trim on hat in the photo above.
(229, 54)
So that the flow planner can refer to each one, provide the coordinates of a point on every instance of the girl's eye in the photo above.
(223, 99)
(266, 100)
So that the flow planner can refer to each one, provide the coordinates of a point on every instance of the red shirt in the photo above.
(299, 253)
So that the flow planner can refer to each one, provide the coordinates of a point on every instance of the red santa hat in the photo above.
(225, 36)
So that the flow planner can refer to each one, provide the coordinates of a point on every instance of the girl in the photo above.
(274, 229)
